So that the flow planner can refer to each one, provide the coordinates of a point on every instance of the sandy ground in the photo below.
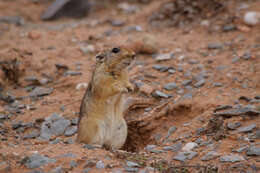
(231, 74)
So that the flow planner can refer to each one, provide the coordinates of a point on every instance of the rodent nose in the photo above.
(133, 56)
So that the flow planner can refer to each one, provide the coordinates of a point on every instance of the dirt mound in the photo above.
(181, 12)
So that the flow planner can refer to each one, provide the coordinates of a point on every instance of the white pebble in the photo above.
(252, 18)
(81, 85)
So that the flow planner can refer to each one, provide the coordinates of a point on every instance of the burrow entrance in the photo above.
(149, 128)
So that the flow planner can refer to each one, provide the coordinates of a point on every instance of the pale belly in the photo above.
(113, 128)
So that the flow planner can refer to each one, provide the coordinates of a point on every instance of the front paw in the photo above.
(130, 87)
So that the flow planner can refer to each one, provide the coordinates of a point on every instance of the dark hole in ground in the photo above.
(143, 129)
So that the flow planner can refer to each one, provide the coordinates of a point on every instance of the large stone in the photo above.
(231, 158)
(37, 160)
(71, 8)
(53, 125)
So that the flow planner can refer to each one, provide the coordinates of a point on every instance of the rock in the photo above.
(247, 128)
(229, 27)
(164, 57)
(231, 158)
(37, 160)
(171, 71)
(100, 165)
(81, 86)
(159, 94)
(180, 91)
(68, 8)
(136, 28)
(235, 59)
(210, 156)
(32, 134)
(86, 170)
(53, 125)
(75, 121)
(238, 112)
(147, 44)
(187, 95)
(16, 125)
(57, 170)
(242, 149)
(70, 131)
(157, 151)
(132, 164)
(215, 46)
(160, 68)
(129, 169)
(150, 147)
(61, 67)
(200, 83)
(186, 82)
(146, 89)
(247, 56)
(233, 126)
(12, 20)
(217, 84)
(128, 8)
(170, 86)
(4, 167)
(256, 135)
(189, 146)
(72, 73)
(175, 147)
(116, 22)
(183, 156)
(87, 49)
(40, 91)
(32, 79)
(170, 131)
(73, 164)
(35, 171)
(193, 61)
(253, 151)
(147, 170)
(252, 18)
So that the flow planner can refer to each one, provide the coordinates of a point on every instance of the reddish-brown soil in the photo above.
(38, 46)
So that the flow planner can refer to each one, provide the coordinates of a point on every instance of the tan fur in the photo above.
(101, 113)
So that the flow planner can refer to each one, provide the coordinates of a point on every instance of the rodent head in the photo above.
(115, 59)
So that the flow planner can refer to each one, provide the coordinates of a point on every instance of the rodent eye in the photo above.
(115, 50)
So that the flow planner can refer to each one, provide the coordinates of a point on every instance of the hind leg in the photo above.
(89, 132)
